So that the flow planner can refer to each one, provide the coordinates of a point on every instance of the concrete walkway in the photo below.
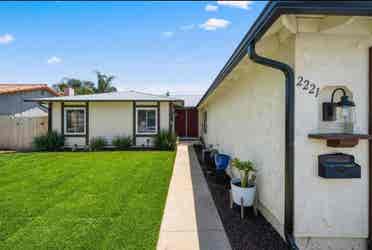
(190, 219)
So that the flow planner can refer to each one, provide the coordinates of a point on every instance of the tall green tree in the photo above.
(104, 83)
(82, 87)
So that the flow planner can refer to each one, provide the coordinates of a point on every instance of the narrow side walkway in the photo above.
(190, 219)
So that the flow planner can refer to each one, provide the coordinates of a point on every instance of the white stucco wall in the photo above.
(164, 115)
(110, 119)
(246, 120)
(56, 117)
(330, 208)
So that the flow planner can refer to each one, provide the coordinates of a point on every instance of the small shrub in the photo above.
(165, 140)
(122, 142)
(40, 143)
(97, 143)
(52, 141)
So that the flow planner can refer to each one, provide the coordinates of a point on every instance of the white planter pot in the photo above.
(238, 193)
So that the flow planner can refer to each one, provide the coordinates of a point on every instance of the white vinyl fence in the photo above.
(16, 133)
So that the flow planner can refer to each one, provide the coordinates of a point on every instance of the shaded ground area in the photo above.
(251, 233)
(100, 200)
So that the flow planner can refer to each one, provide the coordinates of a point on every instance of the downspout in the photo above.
(289, 139)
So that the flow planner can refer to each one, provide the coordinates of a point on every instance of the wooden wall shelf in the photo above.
(339, 140)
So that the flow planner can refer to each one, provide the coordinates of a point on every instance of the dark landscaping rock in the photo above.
(251, 233)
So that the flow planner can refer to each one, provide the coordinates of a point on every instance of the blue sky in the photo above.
(148, 46)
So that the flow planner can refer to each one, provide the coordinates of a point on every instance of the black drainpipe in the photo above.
(289, 138)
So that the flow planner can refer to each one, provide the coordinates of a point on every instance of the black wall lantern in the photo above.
(342, 112)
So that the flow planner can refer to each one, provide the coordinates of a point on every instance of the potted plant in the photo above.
(243, 189)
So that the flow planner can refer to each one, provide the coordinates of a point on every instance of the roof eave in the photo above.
(271, 12)
(44, 88)
(92, 100)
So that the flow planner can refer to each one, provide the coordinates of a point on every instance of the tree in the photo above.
(104, 83)
(81, 87)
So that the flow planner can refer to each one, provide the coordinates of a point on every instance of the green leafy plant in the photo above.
(122, 142)
(97, 143)
(165, 140)
(247, 171)
(52, 141)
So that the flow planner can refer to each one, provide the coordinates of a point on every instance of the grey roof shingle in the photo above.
(113, 96)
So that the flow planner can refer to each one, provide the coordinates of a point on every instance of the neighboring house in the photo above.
(12, 97)
(266, 106)
(186, 116)
(83, 117)
(21, 121)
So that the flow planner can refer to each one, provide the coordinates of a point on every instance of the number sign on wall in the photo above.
(307, 86)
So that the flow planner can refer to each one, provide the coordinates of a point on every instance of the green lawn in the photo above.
(102, 200)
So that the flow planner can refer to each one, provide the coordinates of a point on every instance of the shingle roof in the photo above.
(12, 88)
(113, 96)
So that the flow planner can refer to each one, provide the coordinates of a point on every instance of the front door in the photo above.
(186, 122)
(180, 121)
(192, 122)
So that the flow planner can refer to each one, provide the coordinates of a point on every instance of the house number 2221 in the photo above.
(307, 86)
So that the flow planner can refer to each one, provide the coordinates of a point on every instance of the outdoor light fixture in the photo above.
(342, 112)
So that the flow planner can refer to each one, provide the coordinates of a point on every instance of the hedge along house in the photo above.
(266, 105)
(83, 117)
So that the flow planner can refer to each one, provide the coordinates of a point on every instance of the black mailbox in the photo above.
(338, 166)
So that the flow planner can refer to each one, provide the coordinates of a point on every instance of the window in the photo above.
(205, 122)
(74, 121)
(147, 121)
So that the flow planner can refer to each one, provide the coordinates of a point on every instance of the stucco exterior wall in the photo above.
(246, 120)
(164, 115)
(110, 119)
(327, 208)
(56, 117)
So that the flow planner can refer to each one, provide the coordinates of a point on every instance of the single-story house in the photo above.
(128, 113)
(269, 104)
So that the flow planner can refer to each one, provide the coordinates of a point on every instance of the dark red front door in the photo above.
(192, 122)
(180, 122)
(187, 122)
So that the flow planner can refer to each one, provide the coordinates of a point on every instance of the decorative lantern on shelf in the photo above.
(342, 112)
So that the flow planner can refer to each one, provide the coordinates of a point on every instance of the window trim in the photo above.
(156, 120)
(65, 120)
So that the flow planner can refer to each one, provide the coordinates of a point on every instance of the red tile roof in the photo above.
(12, 88)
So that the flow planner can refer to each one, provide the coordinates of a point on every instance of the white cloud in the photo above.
(54, 60)
(210, 7)
(187, 27)
(215, 23)
(168, 34)
(236, 4)
(6, 38)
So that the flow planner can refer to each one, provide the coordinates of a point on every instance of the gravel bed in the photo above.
(253, 232)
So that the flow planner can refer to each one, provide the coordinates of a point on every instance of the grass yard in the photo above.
(102, 200)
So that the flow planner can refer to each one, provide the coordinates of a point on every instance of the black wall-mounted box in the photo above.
(338, 166)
